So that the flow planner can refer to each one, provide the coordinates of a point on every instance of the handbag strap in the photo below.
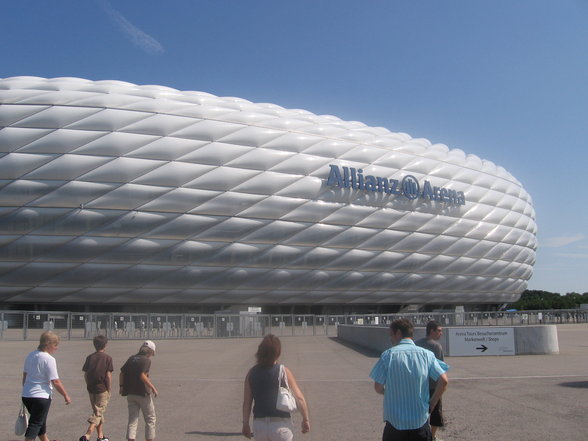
(282, 376)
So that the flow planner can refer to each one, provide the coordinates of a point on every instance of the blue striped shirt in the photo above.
(404, 370)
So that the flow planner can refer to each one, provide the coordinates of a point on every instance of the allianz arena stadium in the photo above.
(118, 194)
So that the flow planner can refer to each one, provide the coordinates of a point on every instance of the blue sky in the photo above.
(505, 80)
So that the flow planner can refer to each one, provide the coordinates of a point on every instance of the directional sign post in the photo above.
(481, 341)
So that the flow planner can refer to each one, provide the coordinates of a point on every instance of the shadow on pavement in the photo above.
(215, 433)
(577, 384)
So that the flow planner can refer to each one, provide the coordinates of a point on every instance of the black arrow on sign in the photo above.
(482, 348)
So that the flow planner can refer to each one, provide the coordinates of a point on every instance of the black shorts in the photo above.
(436, 418)
(38, 409)
(421, 434)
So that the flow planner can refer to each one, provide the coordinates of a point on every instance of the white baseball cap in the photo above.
(150, 345)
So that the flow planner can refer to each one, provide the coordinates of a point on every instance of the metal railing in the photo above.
(28, 325)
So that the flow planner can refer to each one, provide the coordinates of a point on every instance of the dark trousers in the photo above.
(38, 409)
(436, 418)
(421, 434)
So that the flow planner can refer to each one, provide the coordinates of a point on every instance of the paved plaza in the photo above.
(518, 398)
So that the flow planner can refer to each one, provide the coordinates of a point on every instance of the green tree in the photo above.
(537, 299)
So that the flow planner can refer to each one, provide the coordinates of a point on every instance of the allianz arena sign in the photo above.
(409, 187)
(115, 193)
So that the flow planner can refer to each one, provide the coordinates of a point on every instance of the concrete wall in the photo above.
(529, 340)
(376, 338)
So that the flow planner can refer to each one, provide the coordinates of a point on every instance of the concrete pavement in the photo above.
(200, 382)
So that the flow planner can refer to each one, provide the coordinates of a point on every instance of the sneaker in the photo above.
(84, 438)
(103, 439)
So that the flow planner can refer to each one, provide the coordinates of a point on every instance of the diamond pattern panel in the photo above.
(118, 193)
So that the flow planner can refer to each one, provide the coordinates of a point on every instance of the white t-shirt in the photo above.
(40, 368)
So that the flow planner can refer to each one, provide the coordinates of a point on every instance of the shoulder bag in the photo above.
(22, 421)
(285, 401)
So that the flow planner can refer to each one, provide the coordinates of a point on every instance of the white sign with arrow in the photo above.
(480, 341)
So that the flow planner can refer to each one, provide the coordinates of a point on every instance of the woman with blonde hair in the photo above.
(38, 380)
(261, 393)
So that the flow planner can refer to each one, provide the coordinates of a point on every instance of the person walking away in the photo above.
(38, 380)
(135, 384)
(401, 375)
(98, 376)
(431, 342)
(261, 391)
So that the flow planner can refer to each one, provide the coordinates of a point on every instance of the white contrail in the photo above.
(560, 241)
(136, 35)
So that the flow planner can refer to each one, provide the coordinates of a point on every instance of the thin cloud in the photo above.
(132, 32)
(573, 255)
(560, 241)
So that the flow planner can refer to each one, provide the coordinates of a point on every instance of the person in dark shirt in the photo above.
(431, 342)
(261, 387)
(98, 375)
(135, 384)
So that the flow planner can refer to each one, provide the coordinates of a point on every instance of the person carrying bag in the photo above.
(271, 391)
(39, 378)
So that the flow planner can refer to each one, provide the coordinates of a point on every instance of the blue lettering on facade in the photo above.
(408, 187)
(335, 177)
(428, 191)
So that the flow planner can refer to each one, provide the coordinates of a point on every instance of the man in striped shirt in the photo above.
(402, 375)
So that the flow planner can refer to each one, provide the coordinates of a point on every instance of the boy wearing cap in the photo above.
(137, 387)
(98, 374)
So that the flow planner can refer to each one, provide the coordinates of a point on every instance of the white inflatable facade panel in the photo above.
(116, 193)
